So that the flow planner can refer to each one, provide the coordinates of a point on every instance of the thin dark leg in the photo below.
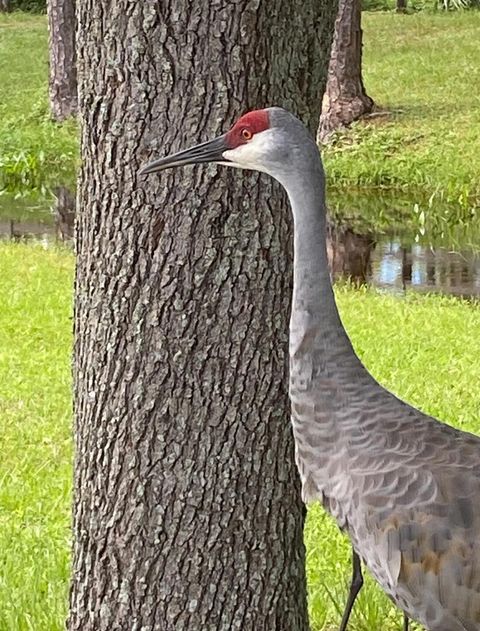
(405, 622)
(355, 587)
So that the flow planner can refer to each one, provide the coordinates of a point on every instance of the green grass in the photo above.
(424, 69)
(35, 436)
(424, 348)
(35, 153)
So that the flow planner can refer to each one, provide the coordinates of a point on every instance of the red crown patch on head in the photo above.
(246, 127)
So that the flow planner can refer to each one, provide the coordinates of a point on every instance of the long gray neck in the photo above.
(316, 330)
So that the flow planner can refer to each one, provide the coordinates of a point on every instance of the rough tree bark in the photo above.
(345, 99)
(63, 70)
(4, 6)
(187, 514)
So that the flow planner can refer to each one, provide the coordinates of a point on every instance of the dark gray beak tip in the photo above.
(157, 165)
(210, 151)
(145, 170)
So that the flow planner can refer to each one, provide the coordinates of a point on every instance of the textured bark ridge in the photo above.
(345, 99)
(187, 511)
(63, 72)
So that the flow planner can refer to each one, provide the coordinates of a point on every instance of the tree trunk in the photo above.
(63, 71)
(187, 513)
(345, 99)
(401, 6)
(4, 6)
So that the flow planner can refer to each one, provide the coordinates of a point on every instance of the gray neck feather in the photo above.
(315, 326)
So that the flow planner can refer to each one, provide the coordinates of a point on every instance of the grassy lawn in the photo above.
(424, 348)
(425, 68)
(35, 437)
(422, 67)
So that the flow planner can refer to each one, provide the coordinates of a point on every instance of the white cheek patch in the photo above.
(242, 155)
(251, 154)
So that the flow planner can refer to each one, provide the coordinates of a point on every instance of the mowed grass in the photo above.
(35, 436)
(34, 151)
(424, 348)
(424, 69)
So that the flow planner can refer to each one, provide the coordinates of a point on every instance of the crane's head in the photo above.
(269, 140)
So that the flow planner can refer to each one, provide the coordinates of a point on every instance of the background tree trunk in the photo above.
(4, 6)
(63, 71)
(345, 99)
(187, 513)
(401, 6)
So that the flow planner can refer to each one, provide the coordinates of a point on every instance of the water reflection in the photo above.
(54, 223)
(14, 230)
(391, 262)
(398, 266)
(64, 213)
(349, 254)
(395, 262)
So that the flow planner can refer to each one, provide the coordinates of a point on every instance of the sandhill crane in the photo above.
(404, 486)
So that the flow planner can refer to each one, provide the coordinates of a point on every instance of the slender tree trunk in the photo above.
(401, 6)
(63, 71)
(187, 514)
(4, 6)
(345, 99)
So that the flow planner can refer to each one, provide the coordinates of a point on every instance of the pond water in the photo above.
(374, 243)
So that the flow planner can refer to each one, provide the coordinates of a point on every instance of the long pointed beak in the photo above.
(210, 151)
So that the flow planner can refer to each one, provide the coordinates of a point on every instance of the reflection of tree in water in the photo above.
(349, 253)
(407, 266)
(352, 255)
(17, 231)
(42, 227)
(438, 268)
(64, 212)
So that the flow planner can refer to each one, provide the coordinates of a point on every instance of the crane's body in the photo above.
(404, 486)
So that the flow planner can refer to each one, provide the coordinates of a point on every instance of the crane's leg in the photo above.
(405, 622)
(355, 587)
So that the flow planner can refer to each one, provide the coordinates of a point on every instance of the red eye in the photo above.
(246, 134)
